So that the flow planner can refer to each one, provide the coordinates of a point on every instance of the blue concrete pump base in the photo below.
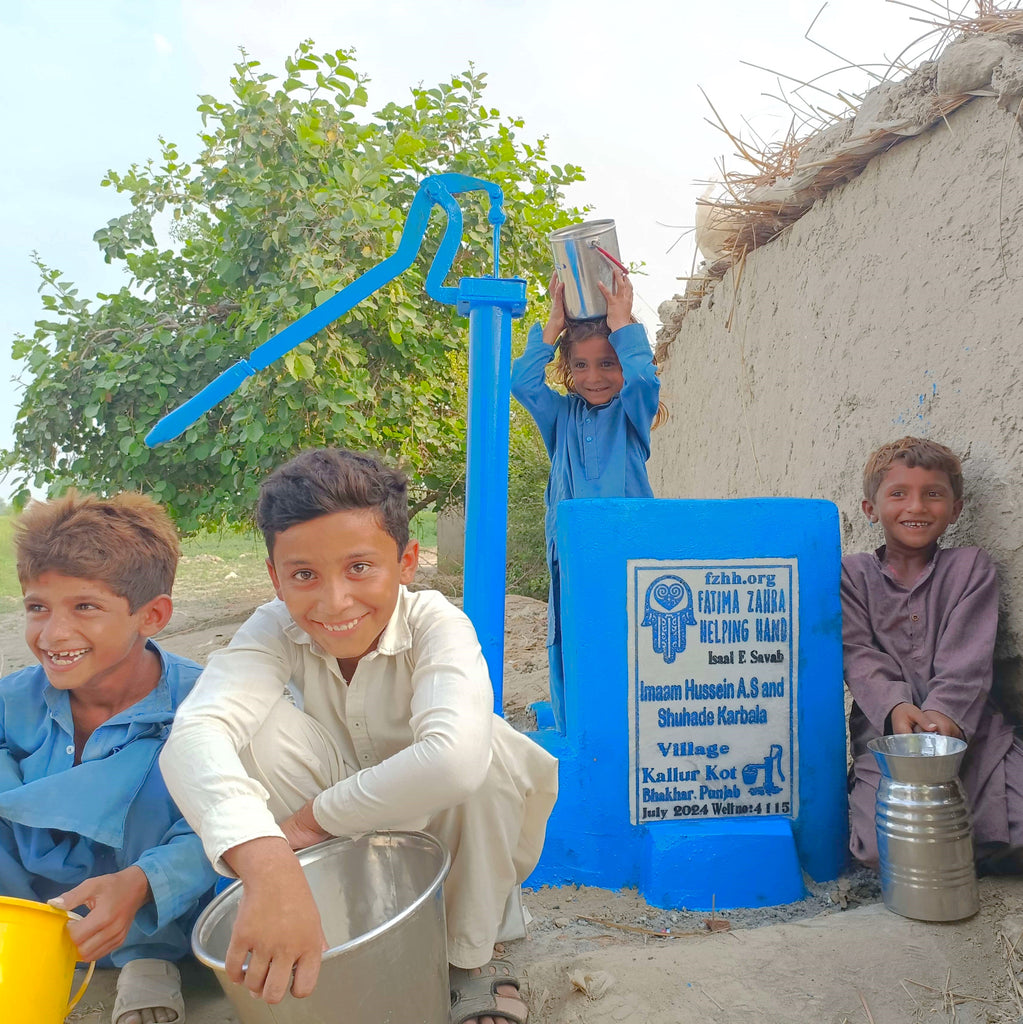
(704, 756)
(720, 864)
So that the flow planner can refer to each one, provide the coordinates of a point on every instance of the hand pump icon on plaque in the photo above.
(767, 767)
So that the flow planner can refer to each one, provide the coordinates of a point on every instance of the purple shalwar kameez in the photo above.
(932, 645)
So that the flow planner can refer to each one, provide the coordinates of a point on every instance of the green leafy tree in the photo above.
(296, 191)
(527, 542)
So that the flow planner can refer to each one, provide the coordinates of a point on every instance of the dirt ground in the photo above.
(596, 956)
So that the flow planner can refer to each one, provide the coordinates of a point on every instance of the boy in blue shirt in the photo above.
(85, 818)
(597, 433)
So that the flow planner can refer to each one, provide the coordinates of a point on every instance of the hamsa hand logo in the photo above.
(668, 610)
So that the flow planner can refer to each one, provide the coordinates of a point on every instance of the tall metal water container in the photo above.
(382, 910)
(580, 265)
(924, 837)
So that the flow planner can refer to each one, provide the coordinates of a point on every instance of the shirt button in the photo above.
(69, 749)
(589, 439)
(916, 618)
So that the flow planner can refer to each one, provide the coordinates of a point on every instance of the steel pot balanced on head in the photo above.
(580, 264)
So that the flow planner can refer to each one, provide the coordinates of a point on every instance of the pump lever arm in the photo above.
(437, 189)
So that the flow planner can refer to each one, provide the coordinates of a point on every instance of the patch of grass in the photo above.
(227, 544)
(10, 588)
(226, 566)
(423, 528)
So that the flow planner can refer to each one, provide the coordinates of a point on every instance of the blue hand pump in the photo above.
(490, 303)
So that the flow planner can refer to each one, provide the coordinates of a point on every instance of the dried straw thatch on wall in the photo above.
(976, 56)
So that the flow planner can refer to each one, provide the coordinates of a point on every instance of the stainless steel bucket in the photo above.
(382, 909)
(924, 837)
(580, 265)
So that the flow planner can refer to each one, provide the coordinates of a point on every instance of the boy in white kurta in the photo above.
(396, 730)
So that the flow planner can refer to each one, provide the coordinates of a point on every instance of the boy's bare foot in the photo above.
(157, 1015)
(486, 995)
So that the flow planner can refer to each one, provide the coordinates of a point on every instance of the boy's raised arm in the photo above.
(641, 390)
(530, 388)
(640, 395)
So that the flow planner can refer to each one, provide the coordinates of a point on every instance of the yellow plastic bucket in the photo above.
(37, 963)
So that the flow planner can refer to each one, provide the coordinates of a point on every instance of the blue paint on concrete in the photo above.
(593, 837)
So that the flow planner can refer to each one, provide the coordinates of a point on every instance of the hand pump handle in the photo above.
(437, 189)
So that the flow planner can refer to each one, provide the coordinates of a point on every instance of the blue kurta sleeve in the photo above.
(178, 873)
(10, 773)
(170, 854)
(641, 392)
(529, 386)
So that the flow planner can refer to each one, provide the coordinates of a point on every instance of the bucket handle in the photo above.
(72, 916)
(618, 263)
(81, 988)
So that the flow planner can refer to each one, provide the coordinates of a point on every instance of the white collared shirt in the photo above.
(414, 726)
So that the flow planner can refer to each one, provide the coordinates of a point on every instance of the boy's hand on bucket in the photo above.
(278, 926)
(619, 301)
(908, 717)
(112, 902)
(556, 318)
(943, 725)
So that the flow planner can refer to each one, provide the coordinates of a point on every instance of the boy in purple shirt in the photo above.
(918, 631)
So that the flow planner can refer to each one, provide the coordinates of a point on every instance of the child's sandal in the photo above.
(146, 984)
(474, 993)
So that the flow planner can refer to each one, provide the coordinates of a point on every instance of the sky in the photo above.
(616, 88)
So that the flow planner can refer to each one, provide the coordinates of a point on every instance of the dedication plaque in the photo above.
(713, 653)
